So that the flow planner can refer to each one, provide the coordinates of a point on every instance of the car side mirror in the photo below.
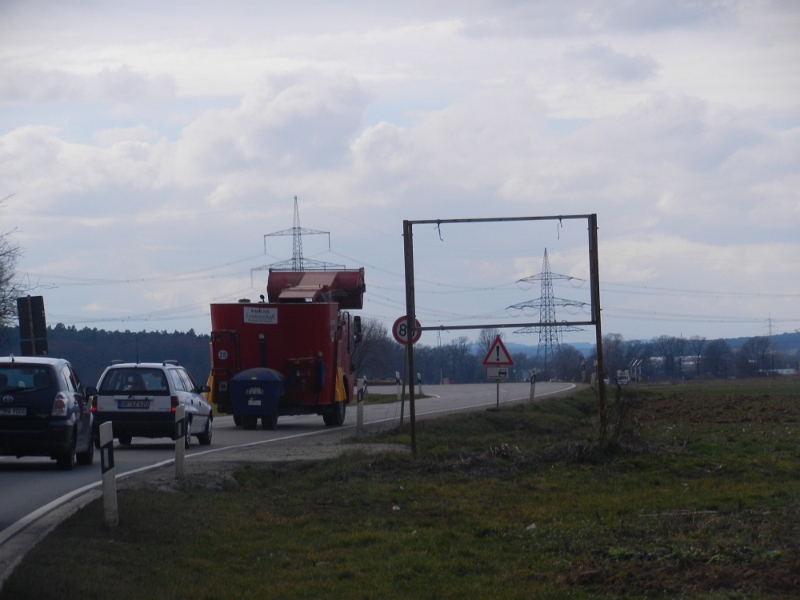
(205, 389)
(91, 391)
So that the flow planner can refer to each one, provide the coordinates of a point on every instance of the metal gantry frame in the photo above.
(594, 284)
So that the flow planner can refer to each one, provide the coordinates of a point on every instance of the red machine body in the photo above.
(301, 334)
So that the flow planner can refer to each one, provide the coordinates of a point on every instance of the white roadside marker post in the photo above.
(180, 443)
(109, 474)
(419, 384)
(360, 405)
(533, 384)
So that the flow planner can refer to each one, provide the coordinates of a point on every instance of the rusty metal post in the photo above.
(594, 270)
(408, 246)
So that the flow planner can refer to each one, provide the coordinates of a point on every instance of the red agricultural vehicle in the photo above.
(291, 354)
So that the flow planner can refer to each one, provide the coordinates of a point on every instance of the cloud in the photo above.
(116, 135)
(122, 85)
(658, 15)
(289, 125)
(615, 65)
(560, 18)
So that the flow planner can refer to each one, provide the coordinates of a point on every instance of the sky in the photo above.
(146, 148)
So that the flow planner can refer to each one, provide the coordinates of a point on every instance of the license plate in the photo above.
(133, 404)
(14, 411)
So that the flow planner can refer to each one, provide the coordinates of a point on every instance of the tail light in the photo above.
(173, 402)
(59, 406)
(93, 403)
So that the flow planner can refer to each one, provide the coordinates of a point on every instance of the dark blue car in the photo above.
(44, 411)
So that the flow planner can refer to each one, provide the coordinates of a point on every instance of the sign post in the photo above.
(400, 333)
(496, 361)
(32, 326)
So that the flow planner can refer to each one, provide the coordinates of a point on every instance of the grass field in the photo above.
(696, 493)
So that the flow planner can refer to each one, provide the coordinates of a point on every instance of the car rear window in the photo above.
(24, 378)
(135, 381)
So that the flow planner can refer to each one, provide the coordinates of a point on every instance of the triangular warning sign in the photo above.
(497, 356)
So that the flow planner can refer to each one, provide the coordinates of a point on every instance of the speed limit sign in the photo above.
(400, 331)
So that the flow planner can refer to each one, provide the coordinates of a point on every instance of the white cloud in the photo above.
(120, 85)
(610, 64)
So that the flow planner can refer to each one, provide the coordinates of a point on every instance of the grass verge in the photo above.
(697, 496)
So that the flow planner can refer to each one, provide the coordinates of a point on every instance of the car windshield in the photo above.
(24, 378)
(135, 380)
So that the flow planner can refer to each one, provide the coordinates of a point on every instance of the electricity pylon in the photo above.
(297, 262)
(550, 330)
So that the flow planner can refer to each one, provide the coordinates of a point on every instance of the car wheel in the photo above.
(237, 420)
(205, 437)
(269, 422)
(96, 441)
(187, 440)
(125, 440)
(249, 421)
(86, 458)
(66, 461)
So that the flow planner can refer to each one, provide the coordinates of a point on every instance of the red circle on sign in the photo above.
(401, 335)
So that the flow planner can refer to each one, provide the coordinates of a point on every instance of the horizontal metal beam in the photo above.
(504, 325)
(497, 219)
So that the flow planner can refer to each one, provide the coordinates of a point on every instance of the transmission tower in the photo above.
(297, 262)
(550, 331)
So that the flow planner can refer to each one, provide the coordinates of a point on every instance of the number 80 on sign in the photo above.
(400, 331)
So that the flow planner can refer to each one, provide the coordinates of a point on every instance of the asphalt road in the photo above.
(30, 487)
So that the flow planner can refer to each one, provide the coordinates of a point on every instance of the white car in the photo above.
(140, 400)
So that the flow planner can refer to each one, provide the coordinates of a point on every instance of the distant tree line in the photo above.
(91, 350)
(459, 361)
(669, 357)
(662, 358)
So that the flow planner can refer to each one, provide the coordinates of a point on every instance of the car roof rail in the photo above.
(170, 362)
(116, 361)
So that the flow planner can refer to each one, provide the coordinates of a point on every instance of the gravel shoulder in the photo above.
(214, 469)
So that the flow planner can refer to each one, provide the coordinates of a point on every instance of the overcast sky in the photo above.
(149, 146)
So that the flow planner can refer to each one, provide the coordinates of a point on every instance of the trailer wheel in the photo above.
(341, 409)
(335, 416)
(249, 421)
(269, 422)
